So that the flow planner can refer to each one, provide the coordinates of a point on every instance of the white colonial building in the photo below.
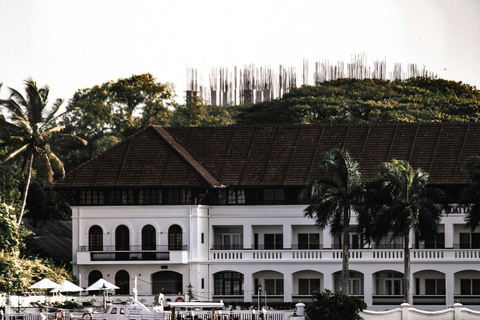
(221, 209)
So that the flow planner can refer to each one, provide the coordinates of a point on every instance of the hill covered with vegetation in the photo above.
(370, 100)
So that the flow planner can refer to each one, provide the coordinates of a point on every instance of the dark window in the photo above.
(470, 286)
(122, 242)
(148, 242)
(94, 276)
(308, 286)
(148, 238)
(308, 241)
(274, 287)
(273, 196)
(175, 240)
(435, 286)
(122, 280)
(95, 238)
(273, 240)
(228, 283)
(167, 282)
(469, 240)
(228, 238)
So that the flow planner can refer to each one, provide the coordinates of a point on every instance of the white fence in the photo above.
(405, 312)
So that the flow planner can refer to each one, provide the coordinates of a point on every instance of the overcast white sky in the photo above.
(71, 45)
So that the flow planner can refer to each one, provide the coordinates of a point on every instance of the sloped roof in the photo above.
(275, 155)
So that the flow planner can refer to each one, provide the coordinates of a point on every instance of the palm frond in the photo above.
(15, 153)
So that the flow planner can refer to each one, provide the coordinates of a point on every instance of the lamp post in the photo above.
(104, 287)
(259, 294)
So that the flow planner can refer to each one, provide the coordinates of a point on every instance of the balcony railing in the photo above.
(132, 248)
(367, 254)
(112, 253)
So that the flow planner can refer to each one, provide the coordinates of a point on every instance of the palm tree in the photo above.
(333, 198)
(31, 127)
(470, 195)
(397, 202)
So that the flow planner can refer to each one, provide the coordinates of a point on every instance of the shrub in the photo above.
(327, 305)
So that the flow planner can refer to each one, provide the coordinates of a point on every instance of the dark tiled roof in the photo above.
(275, 155)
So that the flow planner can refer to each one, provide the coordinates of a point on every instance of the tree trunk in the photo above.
(25, 189)
(406, 275)
(345, 253)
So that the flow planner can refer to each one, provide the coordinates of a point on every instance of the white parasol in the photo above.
(102, 284)
(45, 284)
(67, 286)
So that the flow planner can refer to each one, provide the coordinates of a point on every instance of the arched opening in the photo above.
(429, 287)
(175, 240)
(306, 283)
(228, 283)
(355, 282)
(148, 242)
(95, 238)
(94, 276)
(167, 282)
(122, 280)
(122, 242)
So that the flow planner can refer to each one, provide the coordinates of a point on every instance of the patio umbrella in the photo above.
(45, 284)
(102, 285)
(67, 286)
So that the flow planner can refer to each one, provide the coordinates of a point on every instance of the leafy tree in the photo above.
(195, 112)
(11, 234)
(18, 273)
(397, 202)
(327, 305)
(108, 113)
(470, 195)
(333, 198)
(31, 127)
(370, 100)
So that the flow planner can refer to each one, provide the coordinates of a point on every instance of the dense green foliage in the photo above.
(370, 100)
(327, 306)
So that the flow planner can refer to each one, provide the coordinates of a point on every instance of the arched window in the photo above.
(175, 238)
(122, 242)
(122, 280)
(95, 238)
(148, 237)
(94, 276)
(228, 283)
(167, 282)
(148, 242)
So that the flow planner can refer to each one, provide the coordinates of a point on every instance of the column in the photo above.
(449, 231)
(287, 236)
(248, 287)
(368, 288)
(449, 288)
(247, 236)
(287, 287)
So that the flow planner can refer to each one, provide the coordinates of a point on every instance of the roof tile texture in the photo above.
(275, 155)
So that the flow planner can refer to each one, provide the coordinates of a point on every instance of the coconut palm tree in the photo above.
(332, 200)
(28, 129)
(470, 195)
(397, 202)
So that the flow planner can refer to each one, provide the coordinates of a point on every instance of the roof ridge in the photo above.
(187, 156)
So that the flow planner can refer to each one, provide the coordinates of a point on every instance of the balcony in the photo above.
(370, 255)
(162, 254)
